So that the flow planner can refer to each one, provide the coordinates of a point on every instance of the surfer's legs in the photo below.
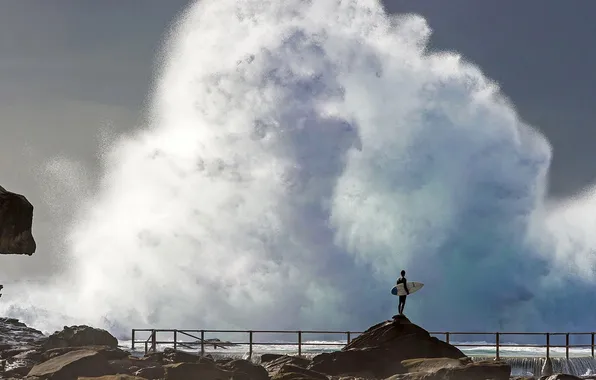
(402, 304)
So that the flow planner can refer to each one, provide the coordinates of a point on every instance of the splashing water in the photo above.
(300, 154)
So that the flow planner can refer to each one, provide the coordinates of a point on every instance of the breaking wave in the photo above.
(301, 153)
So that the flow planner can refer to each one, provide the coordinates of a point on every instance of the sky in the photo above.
(72, 70)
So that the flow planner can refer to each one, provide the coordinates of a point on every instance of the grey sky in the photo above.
(70, 67)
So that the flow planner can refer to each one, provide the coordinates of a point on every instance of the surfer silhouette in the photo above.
(402, 299)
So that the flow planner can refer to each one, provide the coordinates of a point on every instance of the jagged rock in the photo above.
(380, 350)
(253, 371)
(273, 364)
(72, 365)
(15, 334)
(151, 373)
(16, 219)
(203, 371)
(294, 372)
(80, 336)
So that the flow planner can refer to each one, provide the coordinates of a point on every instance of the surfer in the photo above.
(402, 299)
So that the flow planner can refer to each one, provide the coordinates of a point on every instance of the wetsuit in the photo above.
(402, 299)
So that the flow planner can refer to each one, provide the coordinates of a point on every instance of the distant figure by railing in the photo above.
(200, 342)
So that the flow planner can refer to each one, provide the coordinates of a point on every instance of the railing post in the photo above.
(592, 344)
(497, 346)
(567, 346)
(547, 345)
(447, 337)
(175, 339)
(154, 340)
(202, 342)
(349, 337)
(250, 345)
(299, 343)
(133, 338)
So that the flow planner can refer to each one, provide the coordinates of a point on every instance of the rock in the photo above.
(112, 377)
(16, 219)
(151, 373)
(171, 356)
(156, 357)
(433, 364)
(72, 365)
(494, 370)
(79, 336)
(381, 349)
(560, 376)
(203, 371)
(109, 353)
(21, 364)
(547, 368)
(265, 358)
(127, 366)
(294, 372)
(253, 371)
(15, 334)
(274, 365)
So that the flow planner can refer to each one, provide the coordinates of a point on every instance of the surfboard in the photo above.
(413, 287)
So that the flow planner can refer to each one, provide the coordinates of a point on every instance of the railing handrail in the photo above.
(300, 343)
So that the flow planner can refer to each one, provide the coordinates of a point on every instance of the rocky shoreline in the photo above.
(390, 350)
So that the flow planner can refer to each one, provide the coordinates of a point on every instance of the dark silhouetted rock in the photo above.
(16, 218)
(379, 351)
(79, 336)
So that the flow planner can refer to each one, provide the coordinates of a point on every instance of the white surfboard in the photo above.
(413, 287)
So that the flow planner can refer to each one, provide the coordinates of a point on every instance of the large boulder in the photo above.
(16, 218)
(79, 336)
(379, 351)
(72, 365)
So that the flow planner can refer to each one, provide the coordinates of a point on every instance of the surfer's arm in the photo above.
(406, 286)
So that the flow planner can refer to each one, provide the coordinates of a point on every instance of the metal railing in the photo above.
(152, 342)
